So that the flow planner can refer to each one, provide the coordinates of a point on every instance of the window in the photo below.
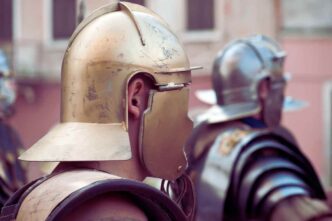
(200, 15)
(6, 21)
(63, 18)
(140, 2)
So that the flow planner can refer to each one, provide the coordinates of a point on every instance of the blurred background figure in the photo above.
(12, 174)
(244, 163)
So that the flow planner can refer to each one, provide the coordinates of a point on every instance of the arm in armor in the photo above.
(259, 173)
(299, 208)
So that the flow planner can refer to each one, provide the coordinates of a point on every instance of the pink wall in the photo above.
(309, 62)
(34, 119)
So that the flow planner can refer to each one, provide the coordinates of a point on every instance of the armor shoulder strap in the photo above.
(59, 195)
(203, 136)
(215, 173)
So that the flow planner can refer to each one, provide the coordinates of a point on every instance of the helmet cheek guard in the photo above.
(165, 128)
(273, 103)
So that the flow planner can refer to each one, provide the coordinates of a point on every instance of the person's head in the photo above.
(248, 80)
(7, 88)
(125, 80)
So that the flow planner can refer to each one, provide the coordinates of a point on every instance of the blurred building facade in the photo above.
(35, 33)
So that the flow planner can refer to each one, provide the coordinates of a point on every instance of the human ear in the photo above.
(136, 91)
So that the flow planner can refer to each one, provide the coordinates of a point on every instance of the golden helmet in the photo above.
(107, 49)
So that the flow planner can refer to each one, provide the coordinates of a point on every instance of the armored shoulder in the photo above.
(253, 170)
(61, 196)
(269, 168)
(113, 206)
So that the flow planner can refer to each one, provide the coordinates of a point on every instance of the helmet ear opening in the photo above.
(149, 82)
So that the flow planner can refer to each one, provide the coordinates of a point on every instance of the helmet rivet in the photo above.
(180, 168)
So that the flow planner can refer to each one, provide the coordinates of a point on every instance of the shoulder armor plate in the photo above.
(55, 197)
(242, 170)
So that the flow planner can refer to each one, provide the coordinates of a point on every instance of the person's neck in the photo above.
(129, 169)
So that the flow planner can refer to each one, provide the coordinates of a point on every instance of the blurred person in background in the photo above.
(244, 164)
(125, 89)
(12, 174)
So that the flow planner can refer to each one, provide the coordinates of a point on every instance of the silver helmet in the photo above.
(238, 71)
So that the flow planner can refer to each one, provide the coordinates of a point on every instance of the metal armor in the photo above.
(247, 172)
(107, 49)
(237, 72)
(51, 198)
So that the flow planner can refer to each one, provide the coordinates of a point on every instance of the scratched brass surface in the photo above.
(73, 141)
(39, 204)
(168, 121)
